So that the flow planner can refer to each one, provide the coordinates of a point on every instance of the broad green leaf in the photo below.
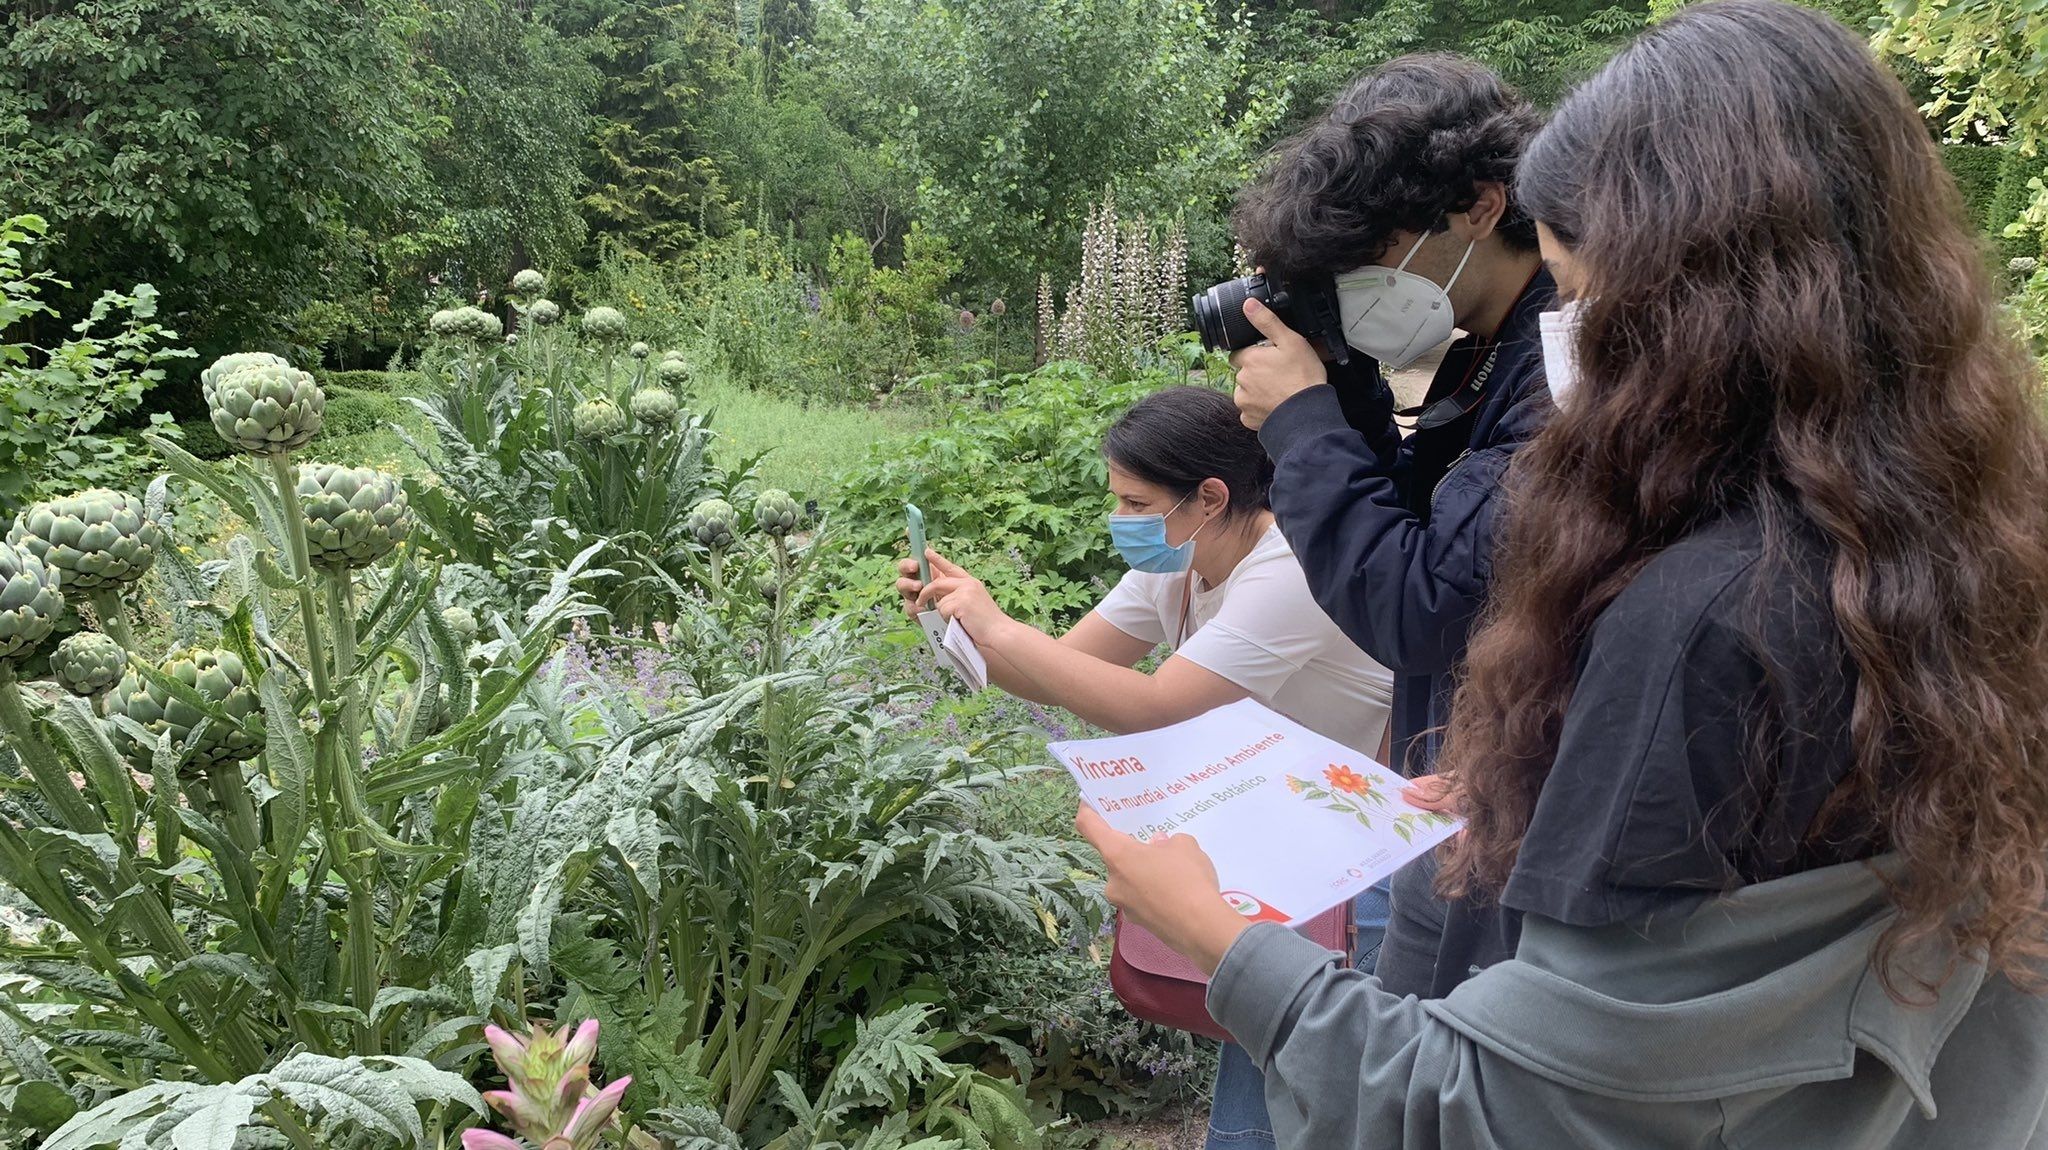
(348, 1089)
(94, 754)
(100, 848)
(41, 1105)
(215, 1126)
(24, 1055)
(110, 1120)
(425, 1082)
(392, 998)
(487, 972)
(185, 465)
(288, 759)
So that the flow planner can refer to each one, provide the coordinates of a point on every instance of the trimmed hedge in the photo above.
(384, 382)
(1977, 168)
(1993, 179)
(353, 412)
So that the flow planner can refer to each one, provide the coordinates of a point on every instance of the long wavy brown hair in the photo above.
(1788, 313)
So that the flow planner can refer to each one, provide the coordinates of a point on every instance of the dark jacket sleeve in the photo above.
(1404, 590)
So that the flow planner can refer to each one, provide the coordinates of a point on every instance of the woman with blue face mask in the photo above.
(1213, 580)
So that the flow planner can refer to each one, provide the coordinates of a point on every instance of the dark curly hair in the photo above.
(1404, 146)
(1788, 311)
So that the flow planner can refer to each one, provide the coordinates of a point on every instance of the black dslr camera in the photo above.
(1307, 306)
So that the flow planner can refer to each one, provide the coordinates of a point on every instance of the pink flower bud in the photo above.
(966, 320)
(486, 1140)
(594, 1112)
(583, 1047)
(509, 1050)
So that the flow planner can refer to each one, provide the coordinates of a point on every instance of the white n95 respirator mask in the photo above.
(1393, 314)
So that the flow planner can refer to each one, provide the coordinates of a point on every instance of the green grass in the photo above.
(808, 444)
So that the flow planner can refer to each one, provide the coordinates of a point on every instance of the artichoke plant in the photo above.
(714, 523)
(655, 407)
(775, 512)
(220, 678)
(638, 350)
(672, 371)
(604, 324)
(264, 408)
(354, 515)
(597, 419)
(87, 663)
(98, 538)
(528, 282)
(229, 364)
(460, 620)
(466, 323)
(544, 312)
(29, 602)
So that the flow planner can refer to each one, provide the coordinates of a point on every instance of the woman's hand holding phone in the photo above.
(955, 593)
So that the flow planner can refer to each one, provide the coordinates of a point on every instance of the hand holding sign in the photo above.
(1169, 887)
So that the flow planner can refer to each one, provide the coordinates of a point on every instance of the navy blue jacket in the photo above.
(1396, 535)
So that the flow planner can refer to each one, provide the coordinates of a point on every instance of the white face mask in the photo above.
(1560, 332)
(1393, 314)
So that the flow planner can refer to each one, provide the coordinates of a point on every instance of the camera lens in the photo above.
(1219, 314)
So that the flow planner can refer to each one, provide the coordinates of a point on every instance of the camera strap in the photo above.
(1458, 403)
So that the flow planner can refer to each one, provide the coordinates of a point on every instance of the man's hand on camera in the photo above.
(1274, 372)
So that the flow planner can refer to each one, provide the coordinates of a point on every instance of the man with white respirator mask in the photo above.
(1380, 228)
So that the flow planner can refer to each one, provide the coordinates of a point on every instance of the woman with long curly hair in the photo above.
(1754, 735)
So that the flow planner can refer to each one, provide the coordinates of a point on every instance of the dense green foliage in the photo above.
(1012, 484)
(497, 686)
(52, 396)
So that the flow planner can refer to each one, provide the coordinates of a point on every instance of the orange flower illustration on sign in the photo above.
(1353, 793)
(1345, 779)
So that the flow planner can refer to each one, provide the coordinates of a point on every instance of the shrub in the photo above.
(51, 398)
(382, 382)
(351, 413)
(1012, 484)
(1976, 168)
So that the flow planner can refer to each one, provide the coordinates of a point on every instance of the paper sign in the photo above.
(963, 656)
(1295, 823)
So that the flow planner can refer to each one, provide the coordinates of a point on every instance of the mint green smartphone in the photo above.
(917, 546)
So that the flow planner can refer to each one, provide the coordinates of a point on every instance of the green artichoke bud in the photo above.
(775, 513)
(98, 538)
(529, 282)
(654, 407)
(768, 586)
(354, 515)
(715, 524)
(672, 372)
(598, 418)
(604, 324)
(2022, 265)
(638, 350)
(466, 323)
(227, 365)
(460, 620)
(29, 602)
(265, 408)
(219, 678)
(88, 663)
(544, 312)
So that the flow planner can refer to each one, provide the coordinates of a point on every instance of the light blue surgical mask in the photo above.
(1141, 540)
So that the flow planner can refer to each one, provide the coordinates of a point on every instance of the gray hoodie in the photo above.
(1752, 1019)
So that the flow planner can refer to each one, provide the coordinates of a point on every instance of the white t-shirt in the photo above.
(1262, 630)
